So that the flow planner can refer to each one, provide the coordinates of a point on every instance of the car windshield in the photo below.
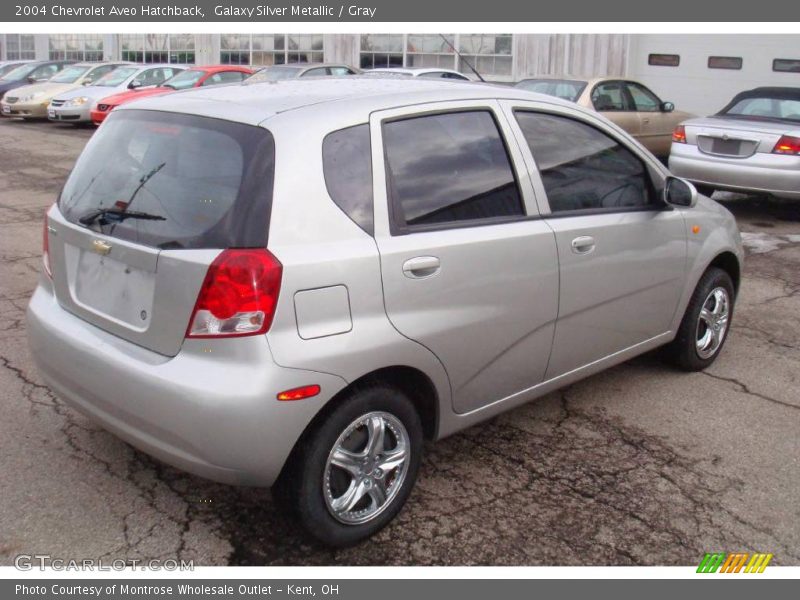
(116, 77)
(765, 107)
(184, 80)
(205, 183)
(70, 74)
(566, 89)
(20, 73)
(5, 69)
(276, 74)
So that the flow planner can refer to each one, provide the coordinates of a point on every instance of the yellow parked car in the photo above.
(31, 101)
(625, 102)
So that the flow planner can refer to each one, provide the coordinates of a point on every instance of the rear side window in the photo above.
(582, 168)
(198, 182)
(448, 169)
(347, 165)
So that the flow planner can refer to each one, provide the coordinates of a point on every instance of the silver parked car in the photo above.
(293, 284)
(751, 145)
(76, 106)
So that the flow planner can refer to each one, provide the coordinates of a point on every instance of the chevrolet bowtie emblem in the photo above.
(101, 247)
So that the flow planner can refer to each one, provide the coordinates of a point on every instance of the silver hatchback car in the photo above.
(294, 284)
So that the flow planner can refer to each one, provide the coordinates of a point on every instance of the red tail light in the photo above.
(46, 247)
(787, 145)
(238, 296)
(679, 134)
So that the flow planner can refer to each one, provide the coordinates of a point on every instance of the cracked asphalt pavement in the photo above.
(638, 465)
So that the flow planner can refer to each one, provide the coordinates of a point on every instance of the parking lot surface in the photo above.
(639, 465)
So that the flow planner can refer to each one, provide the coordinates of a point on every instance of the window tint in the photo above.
(208, 181)
(225, 77)
(581, 167)
(318, 72)
(643, 99)
(449, 168)
(609, 96)
(347, 165)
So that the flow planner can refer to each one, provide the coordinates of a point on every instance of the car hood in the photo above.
(12, 85)
(45, 90)
(748, 125)
(90, 91)
(129, 96)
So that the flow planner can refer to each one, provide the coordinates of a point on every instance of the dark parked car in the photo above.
(32, 72)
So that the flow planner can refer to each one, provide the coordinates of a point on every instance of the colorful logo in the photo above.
(734, 562)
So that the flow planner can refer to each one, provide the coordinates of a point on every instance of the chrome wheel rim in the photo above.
(712, 325)
(366, 468)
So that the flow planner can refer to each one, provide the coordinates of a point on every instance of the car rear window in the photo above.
(202, 182)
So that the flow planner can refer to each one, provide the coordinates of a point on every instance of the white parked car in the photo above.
(423, 72)
(751, 145)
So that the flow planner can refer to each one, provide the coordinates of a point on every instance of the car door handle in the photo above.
(421, 267)
(645, 121)
(583, 244)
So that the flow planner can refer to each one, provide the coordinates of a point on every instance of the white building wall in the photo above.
(694, 87)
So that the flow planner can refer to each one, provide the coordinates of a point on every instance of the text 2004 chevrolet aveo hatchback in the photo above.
(293, 284)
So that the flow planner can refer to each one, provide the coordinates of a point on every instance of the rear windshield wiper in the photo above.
(116, 215)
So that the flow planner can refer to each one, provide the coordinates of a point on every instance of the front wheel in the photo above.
(706, 322)
(353, 470)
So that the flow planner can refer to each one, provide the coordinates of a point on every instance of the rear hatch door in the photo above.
(151, 202)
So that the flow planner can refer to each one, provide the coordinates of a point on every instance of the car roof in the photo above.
(255, 102)
(215, 68)
(415, 70)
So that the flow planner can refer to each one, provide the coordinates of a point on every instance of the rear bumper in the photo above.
(71, 114)
(765, 173)
(211, 410)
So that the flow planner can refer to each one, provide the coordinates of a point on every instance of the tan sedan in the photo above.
(31, 101)
(628, 103)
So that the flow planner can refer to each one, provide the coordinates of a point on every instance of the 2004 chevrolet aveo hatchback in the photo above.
(294, 284)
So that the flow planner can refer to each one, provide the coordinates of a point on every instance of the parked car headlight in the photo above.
(80, 100)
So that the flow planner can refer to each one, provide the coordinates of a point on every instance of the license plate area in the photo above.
(726, 147)
(114, 290)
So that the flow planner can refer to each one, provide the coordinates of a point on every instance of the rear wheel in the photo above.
(705, 324)
(353, 471)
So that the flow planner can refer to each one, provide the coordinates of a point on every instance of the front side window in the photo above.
(347, 166)
(582, 168)
(643, 99)
(609, 96)
(225, 77)
(449, 168)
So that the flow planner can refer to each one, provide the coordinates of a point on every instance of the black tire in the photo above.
(683, 351)
(705, 190)
(300, 488)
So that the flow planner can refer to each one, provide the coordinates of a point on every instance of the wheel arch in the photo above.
(728, 262)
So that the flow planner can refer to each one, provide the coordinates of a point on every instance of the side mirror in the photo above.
(136, 83)
(86, 82)
(32, 79)
(667, 107)
(679, 192)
